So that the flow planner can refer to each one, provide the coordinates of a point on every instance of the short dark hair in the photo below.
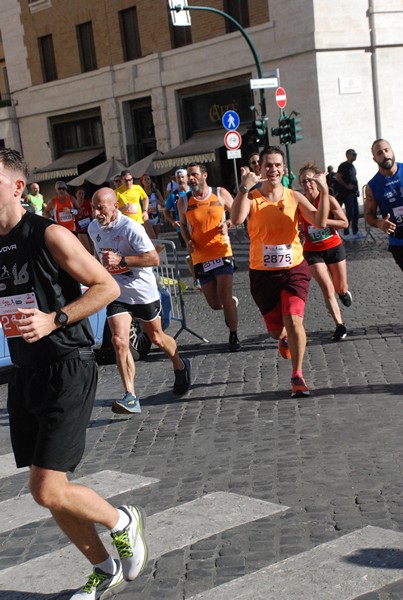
(202, 167)
(125, 172)
(14, 161)
(271, 150)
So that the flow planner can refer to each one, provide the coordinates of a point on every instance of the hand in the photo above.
(35, 324)
(387, 226)
(249, 178)
(110, 258)
(191, 246)
(320, 180)
(223, 227)
(145, 215)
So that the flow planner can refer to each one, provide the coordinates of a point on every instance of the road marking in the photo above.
(7, 466)
(357, 563)
(169, 530)
(20, 510)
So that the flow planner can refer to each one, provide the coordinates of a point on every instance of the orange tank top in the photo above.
(273, 232)
(61, 215)
(204, 216)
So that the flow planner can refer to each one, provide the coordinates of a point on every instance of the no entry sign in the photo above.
(281, 97)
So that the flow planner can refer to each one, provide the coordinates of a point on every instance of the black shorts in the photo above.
(49, 408)
(227, 268)
(329, 257)
(143, 312)
(397, 253)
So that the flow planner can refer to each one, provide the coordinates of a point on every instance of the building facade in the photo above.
(114, 78)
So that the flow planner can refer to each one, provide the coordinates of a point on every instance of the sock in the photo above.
(297, 373)
(233, 334)
(107, 566)
(122, 523)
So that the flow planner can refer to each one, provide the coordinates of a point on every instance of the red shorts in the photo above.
(288, 305)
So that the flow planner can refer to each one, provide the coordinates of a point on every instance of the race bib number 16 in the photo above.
(277, 257)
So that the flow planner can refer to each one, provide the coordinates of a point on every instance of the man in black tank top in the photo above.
(53, 382)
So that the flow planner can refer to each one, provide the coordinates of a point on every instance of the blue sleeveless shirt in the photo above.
(388, 193)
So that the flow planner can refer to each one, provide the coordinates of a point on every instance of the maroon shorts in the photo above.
(266, 286)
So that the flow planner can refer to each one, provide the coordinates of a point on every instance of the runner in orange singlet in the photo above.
(204, 227)
(279, 275)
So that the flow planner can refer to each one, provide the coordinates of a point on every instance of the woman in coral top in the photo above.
(324, 250)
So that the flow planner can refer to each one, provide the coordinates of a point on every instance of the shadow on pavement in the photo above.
(384, 558)
(16, 595)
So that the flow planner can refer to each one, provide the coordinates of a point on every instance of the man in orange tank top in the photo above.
(279, 275)
(204, 228)
(62, 208)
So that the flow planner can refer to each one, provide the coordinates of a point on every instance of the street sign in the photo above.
(265, 82)
(281, 97)
(231, 120)
(232, 140)
(234, 154)
(179, 18)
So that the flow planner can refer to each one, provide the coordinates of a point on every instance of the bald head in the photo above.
(105, 206)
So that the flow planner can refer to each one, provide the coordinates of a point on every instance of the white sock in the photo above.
(107, 566)
(122, 523)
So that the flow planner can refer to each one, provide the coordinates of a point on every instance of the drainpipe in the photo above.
(374, 65)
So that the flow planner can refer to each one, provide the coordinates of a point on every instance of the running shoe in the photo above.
(347, 298)
(236, 301)
(340, 332)
(182, 378)
(197, 285)
(131, 544)
(234, 345)
(283, 348)
(299, 388)
(127, 405)
(101, 585)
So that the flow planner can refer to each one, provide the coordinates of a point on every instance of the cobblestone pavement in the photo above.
(334, 459)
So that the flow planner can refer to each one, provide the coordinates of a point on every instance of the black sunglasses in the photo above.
(62, 189)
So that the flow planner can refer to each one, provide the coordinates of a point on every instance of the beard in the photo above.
(387, 163)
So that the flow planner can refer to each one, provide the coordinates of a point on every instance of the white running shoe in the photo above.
(131, 544)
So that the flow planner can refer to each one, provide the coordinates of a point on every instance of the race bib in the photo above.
(212, 264)
(131, 209)
(116, 269)
(277, 257)
(318, 235)
(65, 217)
(84, 222)
(9, 314)
(398, 214)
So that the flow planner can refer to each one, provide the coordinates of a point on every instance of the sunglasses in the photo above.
(61, 189)
(131, 179)
(254, 162)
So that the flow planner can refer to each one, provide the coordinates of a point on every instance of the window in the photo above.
(129, 32)
(238, 9)
(78, 134)
(86, 47)
(47, 55)
(180, 35)
(141, 135)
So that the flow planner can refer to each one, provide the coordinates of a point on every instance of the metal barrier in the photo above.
(368, 232)
(168, 278)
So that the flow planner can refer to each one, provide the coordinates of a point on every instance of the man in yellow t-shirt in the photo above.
(133, 201)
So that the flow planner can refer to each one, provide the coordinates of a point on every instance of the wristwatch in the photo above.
(123, 262)
(61, 318)
(243, 189)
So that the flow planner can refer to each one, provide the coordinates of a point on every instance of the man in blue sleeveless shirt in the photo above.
(385, 192)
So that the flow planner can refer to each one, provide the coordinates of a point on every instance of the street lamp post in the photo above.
(180, 7)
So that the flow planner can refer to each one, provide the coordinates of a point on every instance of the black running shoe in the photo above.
(347, 298)
(340, 333)
(182, 378)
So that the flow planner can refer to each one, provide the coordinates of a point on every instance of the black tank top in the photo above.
(26, 265)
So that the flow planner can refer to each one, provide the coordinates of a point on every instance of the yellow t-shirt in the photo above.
(129, 201)
(273, 232)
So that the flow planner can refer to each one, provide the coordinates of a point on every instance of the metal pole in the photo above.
(249, 42)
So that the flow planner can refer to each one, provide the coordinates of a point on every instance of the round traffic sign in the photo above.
(232, 140)
(230, 120)
(281, 97)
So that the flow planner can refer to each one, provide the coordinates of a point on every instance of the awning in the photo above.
(66, 165)
(100, 174)
(200, 148)
(146, 165)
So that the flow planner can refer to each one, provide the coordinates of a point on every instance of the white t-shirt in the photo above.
(127, 238)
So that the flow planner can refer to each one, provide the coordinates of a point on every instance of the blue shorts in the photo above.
(206, 276)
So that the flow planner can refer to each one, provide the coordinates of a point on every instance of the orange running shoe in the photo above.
(299, 388)
(283, 348)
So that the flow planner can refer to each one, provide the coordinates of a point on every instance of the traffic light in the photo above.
(260, 128)
(295, 130)
(283, 131)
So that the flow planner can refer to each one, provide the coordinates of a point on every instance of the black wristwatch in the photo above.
(243, 189)
(61, 318)
(123, 262)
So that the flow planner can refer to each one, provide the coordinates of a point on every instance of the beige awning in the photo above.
(146, 165)
(65, 166)
(100, 174)
(201, 147)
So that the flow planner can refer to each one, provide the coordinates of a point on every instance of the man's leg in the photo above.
(75, 508)
(120, 330)
(348, 203)
(167, 343)
(226, 299)
(294, 325)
